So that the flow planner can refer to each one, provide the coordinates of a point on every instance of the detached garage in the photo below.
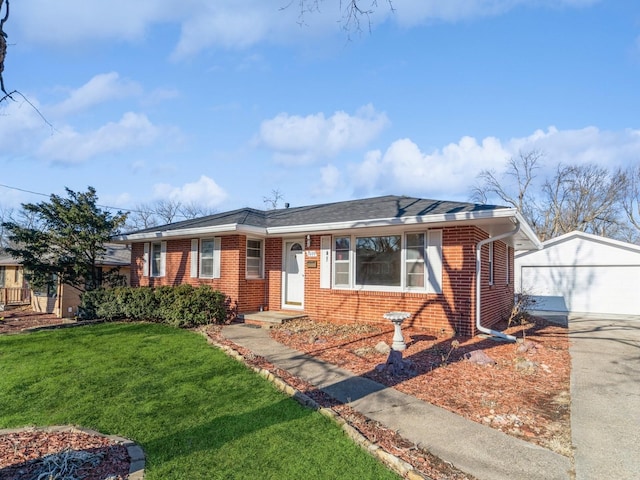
(581, 273)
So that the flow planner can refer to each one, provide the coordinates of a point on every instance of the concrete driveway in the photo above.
(605, 397)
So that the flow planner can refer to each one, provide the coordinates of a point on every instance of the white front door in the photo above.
(293, 274)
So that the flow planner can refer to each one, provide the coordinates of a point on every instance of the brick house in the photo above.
(347, 261)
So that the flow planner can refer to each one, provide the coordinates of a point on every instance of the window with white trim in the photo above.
(414, 259)
(254, 258)
(207, 250)
(409, 261)
(158, 250)
(341, 262)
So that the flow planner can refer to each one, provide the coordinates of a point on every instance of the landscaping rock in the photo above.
(524, 365)
(479, 357)
(383, 348)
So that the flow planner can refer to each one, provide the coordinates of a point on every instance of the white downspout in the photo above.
(479, 246)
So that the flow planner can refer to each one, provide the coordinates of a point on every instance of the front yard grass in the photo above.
(196, 413)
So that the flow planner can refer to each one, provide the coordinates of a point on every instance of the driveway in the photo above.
(605, 393)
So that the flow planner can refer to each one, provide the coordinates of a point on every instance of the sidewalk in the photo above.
(481, 451)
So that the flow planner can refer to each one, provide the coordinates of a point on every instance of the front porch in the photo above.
(269, 319)
(15, 296)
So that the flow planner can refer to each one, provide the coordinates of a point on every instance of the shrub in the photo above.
(181, 306)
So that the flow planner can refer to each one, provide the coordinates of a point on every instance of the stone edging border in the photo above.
(135, 452)
(399, 466)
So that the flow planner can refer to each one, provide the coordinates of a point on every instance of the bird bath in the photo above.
(397, 318)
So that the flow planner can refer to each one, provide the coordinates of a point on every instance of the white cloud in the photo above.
(230, 23)
(205, 191)
(450, 171)
(331, 180)
(19, 125)
(69, 146)
(101, 88)
(299, 140)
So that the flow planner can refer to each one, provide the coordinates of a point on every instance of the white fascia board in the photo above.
(191, 232)
(528, 231)
(394, 221)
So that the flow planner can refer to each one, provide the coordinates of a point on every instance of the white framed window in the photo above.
(342, 262)
(406, 261)
(415, 260)
(154, 259)
(254, 258)
(207, 258)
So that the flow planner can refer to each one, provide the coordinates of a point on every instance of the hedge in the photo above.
(182, 306)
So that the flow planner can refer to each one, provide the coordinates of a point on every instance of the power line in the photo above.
(45, 195)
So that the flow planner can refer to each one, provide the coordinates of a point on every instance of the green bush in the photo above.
(182, 306)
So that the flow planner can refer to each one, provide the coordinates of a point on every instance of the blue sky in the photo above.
(220, 103)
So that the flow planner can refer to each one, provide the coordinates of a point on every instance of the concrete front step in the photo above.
(270, 318)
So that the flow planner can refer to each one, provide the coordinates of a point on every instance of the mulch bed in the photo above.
(20, 319)
(525, 392)
(31, 453)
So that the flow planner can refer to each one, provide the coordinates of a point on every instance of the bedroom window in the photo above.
(156, 260)
(207, 249)
(254, 259)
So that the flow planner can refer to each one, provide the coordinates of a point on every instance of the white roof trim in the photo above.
(191, 232)
(393, 221)
(591, 237)
(446, 218)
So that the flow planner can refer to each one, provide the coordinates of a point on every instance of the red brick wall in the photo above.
(451, 311)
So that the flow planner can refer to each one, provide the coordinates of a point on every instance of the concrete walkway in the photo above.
(481, 451)
(605, 397)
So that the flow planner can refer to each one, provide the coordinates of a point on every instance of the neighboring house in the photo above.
(13, 289)
(58, 298)
(346, 261)
(582, 273)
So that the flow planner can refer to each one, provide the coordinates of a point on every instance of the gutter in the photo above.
(488, 331)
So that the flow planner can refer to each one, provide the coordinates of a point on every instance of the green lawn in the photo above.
(197, 413)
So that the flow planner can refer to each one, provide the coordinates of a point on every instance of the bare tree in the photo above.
(585, 198)
(515, 186)
(162, 212)
(631, 196)
(6, 215)
(272, 201)
(353, 13)
(195, 210)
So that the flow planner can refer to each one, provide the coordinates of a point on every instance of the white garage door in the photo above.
(584, 289)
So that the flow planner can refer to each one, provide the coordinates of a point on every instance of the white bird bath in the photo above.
(397, 318)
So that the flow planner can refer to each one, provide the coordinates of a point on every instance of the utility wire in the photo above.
(45, 195)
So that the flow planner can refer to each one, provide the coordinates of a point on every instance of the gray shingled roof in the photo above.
(390, 206)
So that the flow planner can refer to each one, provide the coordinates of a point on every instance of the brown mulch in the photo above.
(525, 393)
(19, 319)
(33, 452)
